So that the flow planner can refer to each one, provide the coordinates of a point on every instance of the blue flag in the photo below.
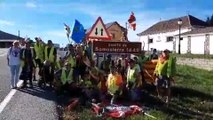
(78, 32)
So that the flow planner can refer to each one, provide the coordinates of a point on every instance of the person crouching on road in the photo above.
(28, 64)
(163, 72)
(114, 84)
(14, 61)
(133, 80)
(64, 78)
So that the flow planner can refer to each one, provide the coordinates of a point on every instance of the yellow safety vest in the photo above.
(72, 61)
(66, 78)
(51, 56)
(58, 65)
(88, 83)
(23, 57)
(130, 75)
(111, 83)
(39, 49)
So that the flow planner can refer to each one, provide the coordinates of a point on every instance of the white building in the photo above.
(165, 35)
(198, 41)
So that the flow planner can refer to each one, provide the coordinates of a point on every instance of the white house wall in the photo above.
(159, 40)
(197, 44)
(144, 41)
(211, 44)
(184, 45)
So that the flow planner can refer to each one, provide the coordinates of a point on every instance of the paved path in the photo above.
(3, 51)
(4, 75)
(25, 104)
(31, 104)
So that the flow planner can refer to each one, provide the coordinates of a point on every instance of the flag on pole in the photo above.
(67, 28)
(78, 32)
(132, 21)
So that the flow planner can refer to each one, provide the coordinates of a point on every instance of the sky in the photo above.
(45, 18)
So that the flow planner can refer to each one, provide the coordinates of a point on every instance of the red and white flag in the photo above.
(132, 21)
(67, 28)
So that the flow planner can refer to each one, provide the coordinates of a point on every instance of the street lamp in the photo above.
(179, 25)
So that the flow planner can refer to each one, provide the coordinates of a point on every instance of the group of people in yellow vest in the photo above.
(78, 74)
(120, 78)
(41, 55)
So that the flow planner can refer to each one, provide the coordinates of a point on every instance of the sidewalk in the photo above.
(31, 104)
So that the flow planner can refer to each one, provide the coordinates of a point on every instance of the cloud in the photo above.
(30, 5)
(6, 23)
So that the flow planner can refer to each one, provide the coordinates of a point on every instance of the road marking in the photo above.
(4, 54)
(9, 97)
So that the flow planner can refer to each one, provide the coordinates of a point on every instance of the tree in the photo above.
(209, 20)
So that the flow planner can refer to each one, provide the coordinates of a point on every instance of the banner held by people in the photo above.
(78, 32)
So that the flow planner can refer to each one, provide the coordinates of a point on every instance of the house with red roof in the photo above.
(193, 34)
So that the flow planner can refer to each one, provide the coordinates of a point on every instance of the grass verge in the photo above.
(192, 98)
(194, 56)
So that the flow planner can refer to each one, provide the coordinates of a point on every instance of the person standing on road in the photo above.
(50, 53)
(39, 50)
(27, 56)
(14, 61)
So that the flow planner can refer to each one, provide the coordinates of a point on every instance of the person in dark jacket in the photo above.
(28, 64)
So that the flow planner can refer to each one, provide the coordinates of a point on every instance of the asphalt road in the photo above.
(4, 75)
(25, 104)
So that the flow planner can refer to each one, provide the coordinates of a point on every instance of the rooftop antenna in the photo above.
(18, 34)
(188, 12)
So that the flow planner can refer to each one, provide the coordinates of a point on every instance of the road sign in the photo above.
(116, 47)
(99, 31)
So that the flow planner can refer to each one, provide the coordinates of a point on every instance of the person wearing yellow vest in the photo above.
(50, 54)
(39, 53)
(164, 72)
(89, 93)
(71, 58)
(133, 80)
(63, 78)
(28, 64)
(59, 64)
(114, 84)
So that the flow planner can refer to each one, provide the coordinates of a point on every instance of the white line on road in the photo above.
(9, 96)
(4, 54)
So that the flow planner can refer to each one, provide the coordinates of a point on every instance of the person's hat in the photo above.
(16, 41)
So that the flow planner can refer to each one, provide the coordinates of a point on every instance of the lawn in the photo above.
(192, 98)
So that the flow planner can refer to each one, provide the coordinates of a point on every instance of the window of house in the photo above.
(158, 40)
(169, 39)
(150, 40)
